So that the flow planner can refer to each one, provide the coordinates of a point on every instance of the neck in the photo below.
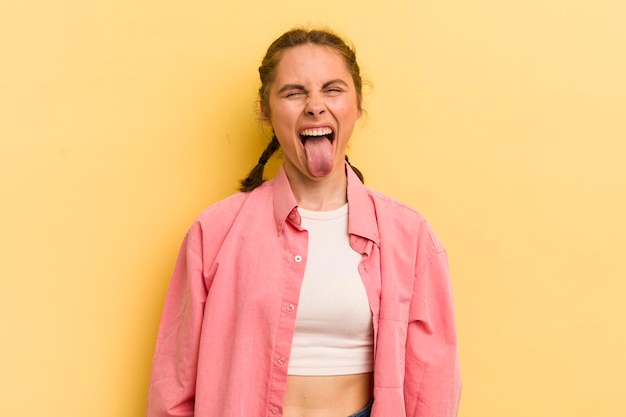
(323, 194)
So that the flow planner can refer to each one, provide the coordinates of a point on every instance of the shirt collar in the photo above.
(361, 212)
(284, 200)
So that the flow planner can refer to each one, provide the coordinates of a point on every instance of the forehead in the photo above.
(311, 63)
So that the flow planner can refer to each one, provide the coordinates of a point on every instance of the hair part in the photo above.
(267, 74)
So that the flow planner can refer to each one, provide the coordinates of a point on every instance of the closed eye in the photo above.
(335, 87)
(294, 94)
(292, 91)
(334, 91)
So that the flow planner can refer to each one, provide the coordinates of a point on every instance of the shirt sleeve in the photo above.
(173, 377)
(432, 375)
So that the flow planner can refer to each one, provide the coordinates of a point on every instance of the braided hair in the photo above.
(255, 177)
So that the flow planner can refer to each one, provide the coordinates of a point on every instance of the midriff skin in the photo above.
(326, 396)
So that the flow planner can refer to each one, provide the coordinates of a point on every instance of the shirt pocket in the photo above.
(392, 334)
(394, 310)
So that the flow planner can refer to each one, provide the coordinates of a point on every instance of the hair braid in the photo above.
(255, 177)
(356, 170)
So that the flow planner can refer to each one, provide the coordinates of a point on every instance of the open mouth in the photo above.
(317, 132)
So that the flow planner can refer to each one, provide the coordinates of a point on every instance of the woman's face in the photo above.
(312, 108)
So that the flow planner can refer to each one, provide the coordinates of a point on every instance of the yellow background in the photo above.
(503, 122)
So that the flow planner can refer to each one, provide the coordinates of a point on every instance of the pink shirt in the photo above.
(225, 335)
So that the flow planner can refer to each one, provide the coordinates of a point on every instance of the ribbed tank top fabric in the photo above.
(333, 331)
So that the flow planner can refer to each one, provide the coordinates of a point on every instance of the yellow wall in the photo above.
(503, 122)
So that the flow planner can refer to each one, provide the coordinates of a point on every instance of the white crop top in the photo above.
(333, 331)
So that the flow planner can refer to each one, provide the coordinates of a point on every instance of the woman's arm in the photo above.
(433, 378)
(174, 367)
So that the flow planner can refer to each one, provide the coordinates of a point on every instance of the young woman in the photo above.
(309, 295)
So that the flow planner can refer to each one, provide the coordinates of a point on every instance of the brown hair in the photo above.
(267, 73)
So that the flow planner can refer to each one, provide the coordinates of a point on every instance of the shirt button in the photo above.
(290, 307)
(298, 258)
(275, 410)
(281, 361)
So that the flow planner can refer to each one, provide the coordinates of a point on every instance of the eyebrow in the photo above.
(287, 87)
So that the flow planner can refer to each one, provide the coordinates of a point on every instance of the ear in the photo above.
(265, 116)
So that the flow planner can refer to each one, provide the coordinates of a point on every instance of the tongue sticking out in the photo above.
(319, 155)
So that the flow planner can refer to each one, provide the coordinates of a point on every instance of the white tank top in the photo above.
(333, 331)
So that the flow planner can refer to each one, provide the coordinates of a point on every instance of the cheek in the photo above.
(284, 115)
(349, 115)
(347, 108)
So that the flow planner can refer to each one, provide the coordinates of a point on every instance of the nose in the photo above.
(314, 106)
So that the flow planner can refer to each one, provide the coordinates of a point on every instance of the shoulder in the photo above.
(230, 206)
(394, 210)
(217, 219)
(389, 203)
(222, 209)
(403, 220)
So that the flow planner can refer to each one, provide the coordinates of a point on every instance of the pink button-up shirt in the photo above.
(225, 335)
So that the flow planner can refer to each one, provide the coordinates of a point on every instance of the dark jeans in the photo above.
(365, 411)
